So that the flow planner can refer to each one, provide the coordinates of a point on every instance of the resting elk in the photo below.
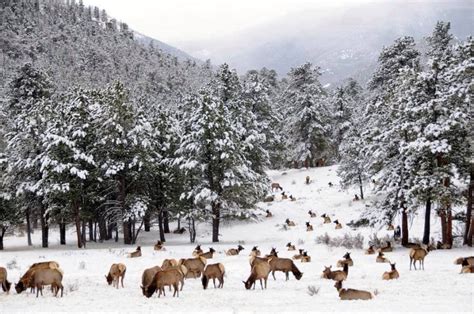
(352, 294)
(290, 247)
(326, 218)
(231, 252)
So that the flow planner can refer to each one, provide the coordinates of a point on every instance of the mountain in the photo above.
(181, 55)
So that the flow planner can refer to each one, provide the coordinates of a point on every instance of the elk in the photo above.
(305, 258)
(292, 198)
(298, 256)
(276, 186)
(289, 223)
(208, 255)
(330, 184)
(269, 198)
(180, 230)
(194, 266)
(390, 227)
(356, 198)
(116, 272)
(197, 251)
(370, 250)
(46, 277)
(469, 260)
(352, 294)
(308, 180)
(26, 278)
(466, 267)
(256, 260)
(392, 274)
(338, 224)
(136, 253)
(255, 252)
(326, 218)
(337, 275)
(147, 277)
(386, 248)
(159, 246)
(290, 247)
(259, 271)
(268, 214)
(311, 214)
(170, 277)
(284, 196)
(381, 258)
(3, 280)
(231, 252)
(418, 254)
(284, 265)
(346, 260)
(273, 253)
(168, 263)
(309, 227)
(213, 271)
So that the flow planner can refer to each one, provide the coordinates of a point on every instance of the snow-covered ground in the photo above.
(438, 288)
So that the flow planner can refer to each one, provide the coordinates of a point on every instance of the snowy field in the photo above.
(440, 288)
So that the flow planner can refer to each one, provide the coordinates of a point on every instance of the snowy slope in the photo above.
(439, 288)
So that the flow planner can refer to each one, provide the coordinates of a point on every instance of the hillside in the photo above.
(86, 288)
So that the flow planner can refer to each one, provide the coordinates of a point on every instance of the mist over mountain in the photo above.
(343, 42)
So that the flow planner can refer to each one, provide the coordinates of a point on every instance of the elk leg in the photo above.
(214, 282)
(176, 287)
(182, 284)
(265, 283)
(273, 274)
(287, 276)
(261, 284)
(222, 282)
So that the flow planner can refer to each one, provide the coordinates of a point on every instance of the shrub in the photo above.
(348, 241)
(312, 290)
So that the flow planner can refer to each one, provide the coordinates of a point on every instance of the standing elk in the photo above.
(194, 266)
(418, 254)
(46, 277)
(284, 265)
(276, 186)
(259, 272)
(3, 280)
(116, 272)
(25, 280)
(213, 271)
(170, 277)
(231, 252)
(392, 274)
(352, 294)
(147, 277)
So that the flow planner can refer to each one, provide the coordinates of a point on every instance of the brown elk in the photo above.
(3, 280)
(381, 258)
(147, 277)
(443, 246)
(259, 272)
(305, 258)
(370, 250)
(469, 260)
(208, 255)
(337, 275)
(284, 265)
(197, 250)
(231, 252)
(327, 219)
(273, 253)
(418, 254)
(284, 196)
(168, 263)
(390, 227)
(290, 247)
(352, 294)
(255, 252)
(289, 223)
(338, 224)
(292, 198)
(308, 180)
(159, 246)
(269, 198)
(268, 214)
(25, 280)
(194, 266)
(311, 214)
(299, 255)
(392, 274)
(387, 248)
(116, 272)
(276, 186)
(346, 260)
(466, 267)
(46, 277)
(170, 277)
(136, 253)
(256, 260)
(356, 197)
(309, 227)
(213, 271)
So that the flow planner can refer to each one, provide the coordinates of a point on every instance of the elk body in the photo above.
(308, 180)
(387, 247)
(259, 271)
(346, 260)
(3, 280)
(25, 280)
(273, 253)
(159, 246)
(290, 223)
(291, 247)
(213, 271)
(208, 255)
(299, 255)
(136, 253)
(381, 258)
(466, 267)
(197, 251)
(194, 266)
(309, 227)
(337, 275)
(255, 252)
(327, 219)
(305, 258)
(276, 186)
(390, 227)
(370, 250)
(284, 265)
(268, 214)
(116, 273)
(46, 277)
(147, 277)
(418, 254)
(338, 224)
(269, 198)
(392, 274)
(460, 261)
(168, 263)
(231, 252)
(311, 214)
(170, 277)
(352, 294)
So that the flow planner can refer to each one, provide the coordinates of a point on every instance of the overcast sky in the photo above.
(178, 22)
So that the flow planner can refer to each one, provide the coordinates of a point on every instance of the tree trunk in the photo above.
(442, 216)
(404, 227)
(102, 230)
(361, 188)
(126, 226)
(215, 222)
(471, 233)
(116, 232)
(426, 232)
(62, 233)
(160, 226)
(28, 226)
(77, 221)
(470, 196)
(83, 233)
(166, 221)
(192, 230)
(449, 227)
(2, 233)
(179, 222)
(44, 226)
(146, 221)
(127, 232)
(91, 230)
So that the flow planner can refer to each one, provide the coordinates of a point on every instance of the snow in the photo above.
(439, 287)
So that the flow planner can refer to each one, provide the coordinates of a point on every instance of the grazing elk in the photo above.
(231, 252)
(469, 260)
(159, 246)
(170, 277)
(311, 214)
(381, 258)
(268, 214)
(305, 258)
(25, 280)
(116, 272)
(299, 255)
(338, 224)
(327, 219)
(418, 254)
(197, 251)
(289, 223)
(213, 271)
(208, 255)
(337, 275)
(136, 253)
(256, 260)
(276, 186)
(291, 247)
(346, 260)
(46, 277)
(255, 252)
(352, 294)
(147, 277)
(168, 263)
(195, 266)
(259, 272)
(370, 250)
(284, 265)
(3, 280)
(308, 180)
(387, 248)
(392, 274)
(309, 227)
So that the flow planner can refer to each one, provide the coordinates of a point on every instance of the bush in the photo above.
(312, 290)
(363, 222)
(82, 265)
(348, 241)
(379, 242)
(300, 241)
(12, 264)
